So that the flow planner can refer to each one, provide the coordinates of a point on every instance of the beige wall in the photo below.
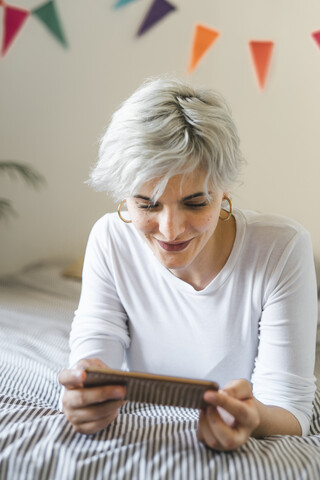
(55, 103)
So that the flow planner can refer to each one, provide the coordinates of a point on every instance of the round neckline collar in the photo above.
(224, 273)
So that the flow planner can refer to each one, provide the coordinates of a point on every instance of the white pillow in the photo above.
(74, 270)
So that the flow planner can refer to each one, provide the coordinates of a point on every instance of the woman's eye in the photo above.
(196, 205)
(148, 206)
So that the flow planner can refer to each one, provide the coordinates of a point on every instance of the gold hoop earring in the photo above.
(119, 213)
(225, 219)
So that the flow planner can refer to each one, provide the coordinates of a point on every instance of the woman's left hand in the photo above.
(230, 416)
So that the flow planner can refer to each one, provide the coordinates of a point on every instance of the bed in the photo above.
(144, 442)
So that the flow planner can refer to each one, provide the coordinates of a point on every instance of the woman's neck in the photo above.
(213, 257)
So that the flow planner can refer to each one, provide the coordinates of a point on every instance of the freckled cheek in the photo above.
(145, 226)
(209, 222)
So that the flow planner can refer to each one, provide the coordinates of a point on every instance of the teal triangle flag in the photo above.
(48, 14)
(122, 3)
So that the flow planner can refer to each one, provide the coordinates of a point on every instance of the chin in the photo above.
(172, 264)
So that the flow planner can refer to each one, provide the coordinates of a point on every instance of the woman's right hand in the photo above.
(91, 409)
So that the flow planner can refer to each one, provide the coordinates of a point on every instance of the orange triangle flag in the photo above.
(204, 37)
(13, 20)
(261, 52)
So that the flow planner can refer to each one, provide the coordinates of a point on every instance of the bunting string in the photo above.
(204, 37)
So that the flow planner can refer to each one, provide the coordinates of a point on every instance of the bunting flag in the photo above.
(158, 10)
(13, 20)
(48, 15)
(204, 37)
(316, 36)
(122, 3)
(261, 52)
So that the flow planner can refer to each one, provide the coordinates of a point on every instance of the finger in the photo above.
(91, 362)
(95, 426)
(226, 417)
(72, 377)
(78, 371)
(205, 434)
(83, 397)
(95, 413)
(219, 435)
(241, 410)
(240, 389)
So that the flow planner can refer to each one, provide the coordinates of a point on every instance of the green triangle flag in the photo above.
(48, 14)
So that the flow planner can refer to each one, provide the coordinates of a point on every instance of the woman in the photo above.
(184, 285)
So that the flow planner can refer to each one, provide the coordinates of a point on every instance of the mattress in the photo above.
(144, 442)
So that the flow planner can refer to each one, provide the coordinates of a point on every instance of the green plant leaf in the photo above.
(28, 174)
(6, 209)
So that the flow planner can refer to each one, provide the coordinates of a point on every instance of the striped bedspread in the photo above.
(145, 442)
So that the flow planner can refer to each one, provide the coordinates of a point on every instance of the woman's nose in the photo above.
(171, 224)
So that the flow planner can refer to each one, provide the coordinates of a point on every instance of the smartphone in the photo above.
(154, 389)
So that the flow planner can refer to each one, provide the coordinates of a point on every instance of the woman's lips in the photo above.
(174, 247)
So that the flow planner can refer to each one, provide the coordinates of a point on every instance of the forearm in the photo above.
(275, 421)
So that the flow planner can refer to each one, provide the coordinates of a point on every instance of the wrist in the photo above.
(275, 421)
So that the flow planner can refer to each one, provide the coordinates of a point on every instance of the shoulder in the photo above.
(270, 226)
(110, 224)
(104, 222)
(110, 233)
(272, 238)
(275, 247)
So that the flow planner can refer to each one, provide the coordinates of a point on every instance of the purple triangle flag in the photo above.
(158, 10)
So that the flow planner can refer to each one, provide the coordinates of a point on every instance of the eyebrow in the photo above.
(188, 197)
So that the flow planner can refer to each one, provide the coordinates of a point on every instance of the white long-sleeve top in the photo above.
(255, 320)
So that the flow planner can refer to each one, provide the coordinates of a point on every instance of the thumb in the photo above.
(72, 377)
(240, 389)
(91, 362)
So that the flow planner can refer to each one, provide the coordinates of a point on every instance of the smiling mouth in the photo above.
(173, 247)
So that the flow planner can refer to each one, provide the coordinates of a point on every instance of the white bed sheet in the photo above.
(145, 442)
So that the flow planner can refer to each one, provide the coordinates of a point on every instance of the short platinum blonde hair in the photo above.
(167, 128)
